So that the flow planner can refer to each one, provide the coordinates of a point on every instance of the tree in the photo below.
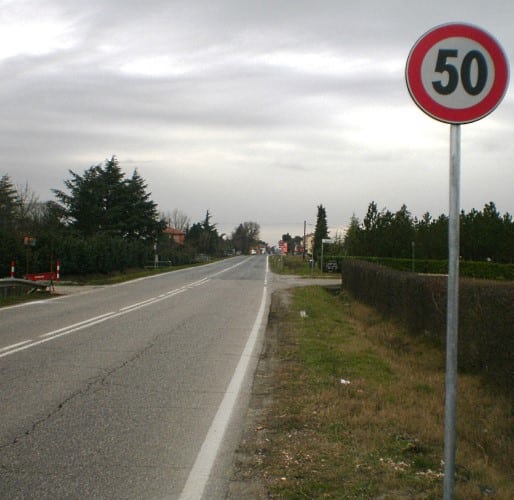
(245, 236)
(10, 240)
(374, 226)
(483, 235)
(176, 219)
(9, 204)
(102, 201)
(203, 236)
(288, 239)
(401, 233)
(296, 244)
(320, 232)
(353, 244)
(141, 220)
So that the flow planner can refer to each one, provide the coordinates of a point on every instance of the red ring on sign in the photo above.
(432, 107)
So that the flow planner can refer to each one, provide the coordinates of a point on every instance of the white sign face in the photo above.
(457, 73)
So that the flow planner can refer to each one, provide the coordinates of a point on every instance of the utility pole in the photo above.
(304, 236)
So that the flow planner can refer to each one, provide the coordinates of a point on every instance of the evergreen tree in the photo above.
(203, 237)
(10, 240)
(9, 204)
(142, 219)
(320, 232)
(102, 201)
(401, 233)
(84, 205)
(353, 240)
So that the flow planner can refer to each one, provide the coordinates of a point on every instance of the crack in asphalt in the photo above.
(97, 381)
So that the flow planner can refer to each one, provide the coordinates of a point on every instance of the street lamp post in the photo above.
(323, 241)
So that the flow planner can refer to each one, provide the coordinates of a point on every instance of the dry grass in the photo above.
(381, 434)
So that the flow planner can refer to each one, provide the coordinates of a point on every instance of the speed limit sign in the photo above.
(457, 73)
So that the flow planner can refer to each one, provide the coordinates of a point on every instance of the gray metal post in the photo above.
(321, 256)
(450, 420)
(304, 241)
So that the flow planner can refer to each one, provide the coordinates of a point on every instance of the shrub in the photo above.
(468, 269)
(486, 316)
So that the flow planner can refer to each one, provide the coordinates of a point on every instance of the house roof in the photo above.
(173, 232)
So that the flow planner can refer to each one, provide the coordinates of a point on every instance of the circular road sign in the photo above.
(457, 73)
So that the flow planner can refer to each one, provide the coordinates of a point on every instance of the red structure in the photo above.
(175, 234)
(50, 276)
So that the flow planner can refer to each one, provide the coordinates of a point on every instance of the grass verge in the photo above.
(346, 406)
(119, 277)
(297, 265)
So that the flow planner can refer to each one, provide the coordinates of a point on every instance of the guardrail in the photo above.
(9, 286)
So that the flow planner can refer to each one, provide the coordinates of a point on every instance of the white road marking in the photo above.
(13, 345)
(45, 337)
(199, 474)
(75, 325)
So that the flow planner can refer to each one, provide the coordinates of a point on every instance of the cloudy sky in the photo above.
(257, 110)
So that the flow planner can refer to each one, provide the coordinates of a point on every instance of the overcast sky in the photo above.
(256, 110)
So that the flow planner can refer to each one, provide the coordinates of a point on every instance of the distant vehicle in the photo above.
(253, 251)
(331, 266)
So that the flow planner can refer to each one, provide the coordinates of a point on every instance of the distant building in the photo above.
(309, 243)
(175, 234)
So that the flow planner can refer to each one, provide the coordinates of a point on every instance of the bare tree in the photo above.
(176, 219)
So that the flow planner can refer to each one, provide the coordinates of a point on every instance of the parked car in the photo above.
(331, 267)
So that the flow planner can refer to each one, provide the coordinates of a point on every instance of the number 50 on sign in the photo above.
(457, 73)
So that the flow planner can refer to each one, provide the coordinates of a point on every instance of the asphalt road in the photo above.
(131, 391)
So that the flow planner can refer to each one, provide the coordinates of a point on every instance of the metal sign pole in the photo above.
(440, 82)
(450, 420)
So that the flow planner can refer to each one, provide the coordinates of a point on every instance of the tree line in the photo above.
(484, 235)
(103, 221)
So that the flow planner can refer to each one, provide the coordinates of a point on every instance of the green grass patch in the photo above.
(380, 433)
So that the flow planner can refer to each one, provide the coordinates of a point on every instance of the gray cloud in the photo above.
(253, 110)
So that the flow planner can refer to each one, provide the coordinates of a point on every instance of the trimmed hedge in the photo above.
(468, 269)
(486, 313)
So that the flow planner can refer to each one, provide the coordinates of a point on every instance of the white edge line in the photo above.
(199, 474)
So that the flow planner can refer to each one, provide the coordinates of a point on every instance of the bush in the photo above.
(468, 269)
(486, 316)
(101, 254)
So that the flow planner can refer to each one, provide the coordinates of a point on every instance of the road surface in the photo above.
(128, 391)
